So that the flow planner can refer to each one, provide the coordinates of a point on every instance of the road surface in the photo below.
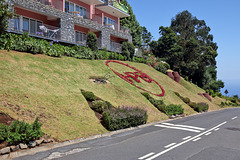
(208, 136)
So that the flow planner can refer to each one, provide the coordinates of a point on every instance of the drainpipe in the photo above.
(63, 5)
(91, 11)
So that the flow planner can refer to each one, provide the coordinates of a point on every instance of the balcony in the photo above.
(114, 8)
(37, 30)
(120, 6)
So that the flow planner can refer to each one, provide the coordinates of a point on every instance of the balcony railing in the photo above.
(86, 15)
(42, 30)
(116, 47)
(116, 4)
(120, 6)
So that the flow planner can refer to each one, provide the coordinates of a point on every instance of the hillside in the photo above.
(50, 88)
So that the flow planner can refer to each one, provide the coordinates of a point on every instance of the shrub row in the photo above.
(198, 107)
(20, 131)
(25, 43)
(229, 104)
(123, 117)
(171, 109)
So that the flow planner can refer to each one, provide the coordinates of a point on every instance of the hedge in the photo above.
(123, 117)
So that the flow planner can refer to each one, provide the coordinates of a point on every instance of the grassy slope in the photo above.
(38, 85)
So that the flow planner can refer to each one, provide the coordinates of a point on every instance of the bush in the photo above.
(20, 131)
(161, 107)
(100, 105)
(89, 96)
(156, 102)
(201, 107)
(146, 95)
(123, 117)
(186, 100)
(128, 50)
(161, 67)
(192, 104)
(173, 109)
(3, 132)
(177, 94)
(139, 60)
(92, 41)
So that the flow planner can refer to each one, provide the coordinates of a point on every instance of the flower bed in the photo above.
(130, 77)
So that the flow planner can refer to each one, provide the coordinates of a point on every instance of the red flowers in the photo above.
(130, 77)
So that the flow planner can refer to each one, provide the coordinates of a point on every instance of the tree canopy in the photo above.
(188, 47)
(5, 14)
(146, 37)
(132, 23)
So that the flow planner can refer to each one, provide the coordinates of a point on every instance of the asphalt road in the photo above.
(208, 136)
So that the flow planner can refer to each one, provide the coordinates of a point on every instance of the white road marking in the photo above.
(179, 144)
(208, 133)
(172, 144)
(55, 155)
(148, 155)
(171, 127)
(234, 117)
(216, 129)
(185, 126)
(197, 139)
(186, 137)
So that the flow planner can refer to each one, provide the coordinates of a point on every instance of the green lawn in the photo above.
(47, 87)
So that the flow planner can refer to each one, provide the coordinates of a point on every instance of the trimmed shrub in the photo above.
(161, 107)
(173, 109)
(100, 105)
(92, 41)
(186, 100)
(123, 117)
(201, 107)
(177, 94)
(146, 95)
(192, 104)
(89, 96)
(156, 102)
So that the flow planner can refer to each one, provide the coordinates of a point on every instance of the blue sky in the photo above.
(222, 16)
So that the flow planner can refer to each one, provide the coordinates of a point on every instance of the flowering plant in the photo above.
(130, 76)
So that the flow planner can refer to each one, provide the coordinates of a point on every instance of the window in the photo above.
(71, 7)
(25, 25)
(28, 25)
(32, 26)
(66, 6)
(16, 23)
(80, 37)
(38, 26)
(108, 21)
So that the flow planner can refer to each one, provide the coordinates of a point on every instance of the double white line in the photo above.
(181, 127)
(152, 155)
